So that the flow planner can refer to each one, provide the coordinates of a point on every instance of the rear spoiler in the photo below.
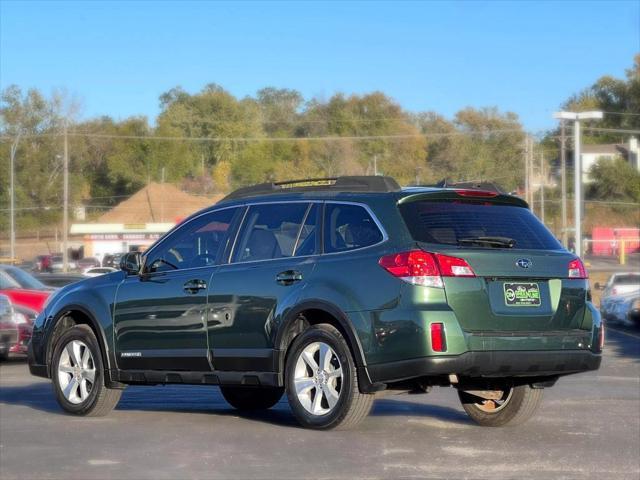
(464, 194)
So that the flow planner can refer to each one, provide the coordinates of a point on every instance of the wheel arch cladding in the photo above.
(67, 318)
(313, 313)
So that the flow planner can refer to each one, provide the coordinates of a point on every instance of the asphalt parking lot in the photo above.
(588, 427)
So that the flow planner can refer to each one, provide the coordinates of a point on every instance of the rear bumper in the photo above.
(520, 363)
(8, 338)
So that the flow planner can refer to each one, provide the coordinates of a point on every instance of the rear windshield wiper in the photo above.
(496, 242)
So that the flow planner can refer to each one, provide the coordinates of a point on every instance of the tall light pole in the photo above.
(577, 161)
(563, 163)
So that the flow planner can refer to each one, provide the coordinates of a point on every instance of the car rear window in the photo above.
(627, 280)
(447, 222)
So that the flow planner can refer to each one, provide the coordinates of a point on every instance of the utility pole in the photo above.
(577, 160)
(12, 187)
(526, 168)
(531, 196)
(542, 186)
(162, 199)
(375, 165)
(563, 166)
(65, 208)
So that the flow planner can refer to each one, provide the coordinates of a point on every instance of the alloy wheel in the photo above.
(318, 378)
(494, 406)
(76, 372)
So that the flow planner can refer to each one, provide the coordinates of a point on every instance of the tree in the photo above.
(614, 180)
(479, 145)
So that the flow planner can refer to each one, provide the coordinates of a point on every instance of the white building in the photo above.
(592, 153)
(136, 223)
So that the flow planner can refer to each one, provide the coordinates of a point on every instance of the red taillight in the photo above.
(416, 267)
(476, 193)
(454, 266)
(601, 337)
(423, 268)
(438, 339)
(577, 270)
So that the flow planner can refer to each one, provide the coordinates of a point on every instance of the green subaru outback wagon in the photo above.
(332, 291)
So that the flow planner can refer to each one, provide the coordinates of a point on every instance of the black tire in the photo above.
(252, 398)
(520, 405)
(4, 355)
(101, 400)
(352, 406)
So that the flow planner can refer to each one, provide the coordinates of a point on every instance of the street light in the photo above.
(577, 160)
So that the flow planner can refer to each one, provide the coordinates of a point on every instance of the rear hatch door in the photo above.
(521, 279)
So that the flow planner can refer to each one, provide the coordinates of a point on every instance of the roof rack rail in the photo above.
(482, 185)
(373, 184)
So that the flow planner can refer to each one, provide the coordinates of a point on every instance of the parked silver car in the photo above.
(620, 299)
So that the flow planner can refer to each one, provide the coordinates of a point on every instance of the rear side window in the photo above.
(270, 231)
(347, 227)
(626, 280)
(454, 223)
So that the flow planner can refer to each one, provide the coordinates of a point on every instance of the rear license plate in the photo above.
(522, 294)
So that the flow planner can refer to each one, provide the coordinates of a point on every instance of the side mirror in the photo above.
(131, 263)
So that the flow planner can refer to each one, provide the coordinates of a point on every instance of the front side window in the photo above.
(347, 227)
(270, 231)
(308, 238)
(199, 243)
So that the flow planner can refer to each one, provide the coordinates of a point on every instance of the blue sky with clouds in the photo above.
(118, 57)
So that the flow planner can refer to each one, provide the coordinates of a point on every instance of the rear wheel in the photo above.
(322, 382)
(511, 406)
(78, 374)
(252, 398)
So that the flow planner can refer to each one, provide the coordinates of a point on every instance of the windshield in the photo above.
(475, 224)
(25, 280)
(6, 282)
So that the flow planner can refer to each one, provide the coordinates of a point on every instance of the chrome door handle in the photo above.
(288, 277)
(193, 286)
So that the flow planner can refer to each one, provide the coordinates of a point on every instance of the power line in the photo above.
(623, 113)
(611, 130)
(277, 139)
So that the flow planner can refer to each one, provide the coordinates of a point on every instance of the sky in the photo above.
(119, 57)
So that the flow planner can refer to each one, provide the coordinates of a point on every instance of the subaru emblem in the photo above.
(524, 263)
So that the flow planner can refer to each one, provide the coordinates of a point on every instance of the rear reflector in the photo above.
(577, 270)
(438, 339)
(424, 268)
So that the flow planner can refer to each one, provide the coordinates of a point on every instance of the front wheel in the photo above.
(511, 406)
(322, 381)
(78, 374)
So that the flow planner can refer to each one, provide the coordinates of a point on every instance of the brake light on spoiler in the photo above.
(418, 267)
(476, 193)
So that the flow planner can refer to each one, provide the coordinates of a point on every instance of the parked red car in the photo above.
(28, 296)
